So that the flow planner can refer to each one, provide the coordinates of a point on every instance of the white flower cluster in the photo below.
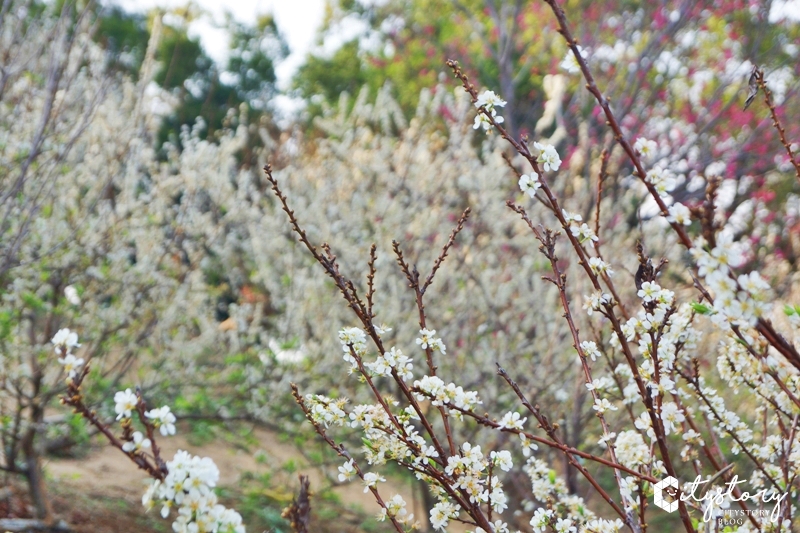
(163, 419)
(355, 339)
(393, 359)
(189, 488)
(600, 267)
(679, 214)
(468, 471)
(450, 394)
(190, 480)
(488, 100)
(511, 421)
(581, 231)
(138, 444)
(726, 421)
(547, 156)
(427, 339)
(529, 183)
(385, 441)
(327, 411)
(739, 301)
(442, 513)
(64, 341)
(662, 179)
(564, 512)
(396, 508)
(647, 149)
(596, 301)
(570, 62)
(649, 319)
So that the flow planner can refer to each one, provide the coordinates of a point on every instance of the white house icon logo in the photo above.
(659, 494)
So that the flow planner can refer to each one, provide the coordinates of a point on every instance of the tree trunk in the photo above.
(33, 467)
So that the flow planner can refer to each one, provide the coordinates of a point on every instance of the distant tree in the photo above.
(511, 44)
(324, 79)
(201, 87)
(124, 37)
(254, 52)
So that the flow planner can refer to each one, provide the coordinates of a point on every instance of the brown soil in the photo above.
(101, 492)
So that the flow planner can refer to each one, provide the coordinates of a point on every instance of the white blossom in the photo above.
(547, 156)
(512, 421)
(125, 403)
(529, 183)
(570, 62)
(679, 214)
(71, 294)
(71, 364)
(346, 471)
(646, 148)
(162, 419)
(65, 339)
(139, 442)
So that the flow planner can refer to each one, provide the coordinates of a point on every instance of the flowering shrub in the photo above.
(659, 413)
(178, 269)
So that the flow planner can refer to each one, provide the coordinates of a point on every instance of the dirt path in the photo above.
(105, 472)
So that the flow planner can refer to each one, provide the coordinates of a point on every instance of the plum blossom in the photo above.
(646, 148)
(547, 156)
(346, 471)
(488, 100)
(511, 421)
(162, 419)
(139, 442)
(125, 403)
(679, 214)
(529, 183)
(583, 233)
(71, 365)
(188, 487)
(603, 405)
(371, 479)
(71, 294)
(65, 339)
(570, 62)
(590, 349)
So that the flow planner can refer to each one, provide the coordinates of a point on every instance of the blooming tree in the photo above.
(618, 363)
(659, 409)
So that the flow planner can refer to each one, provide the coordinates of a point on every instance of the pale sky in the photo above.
(298, 20)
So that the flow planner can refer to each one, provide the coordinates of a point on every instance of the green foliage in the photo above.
(323, 79)
(181, 58)
(124, 36)
(202, 88)
(254, 50)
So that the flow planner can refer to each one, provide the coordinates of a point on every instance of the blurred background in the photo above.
(132, 141)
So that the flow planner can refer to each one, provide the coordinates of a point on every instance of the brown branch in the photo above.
(439, 260)
(299, 512)
(74, 398)
(759, 74)
(373, 256)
